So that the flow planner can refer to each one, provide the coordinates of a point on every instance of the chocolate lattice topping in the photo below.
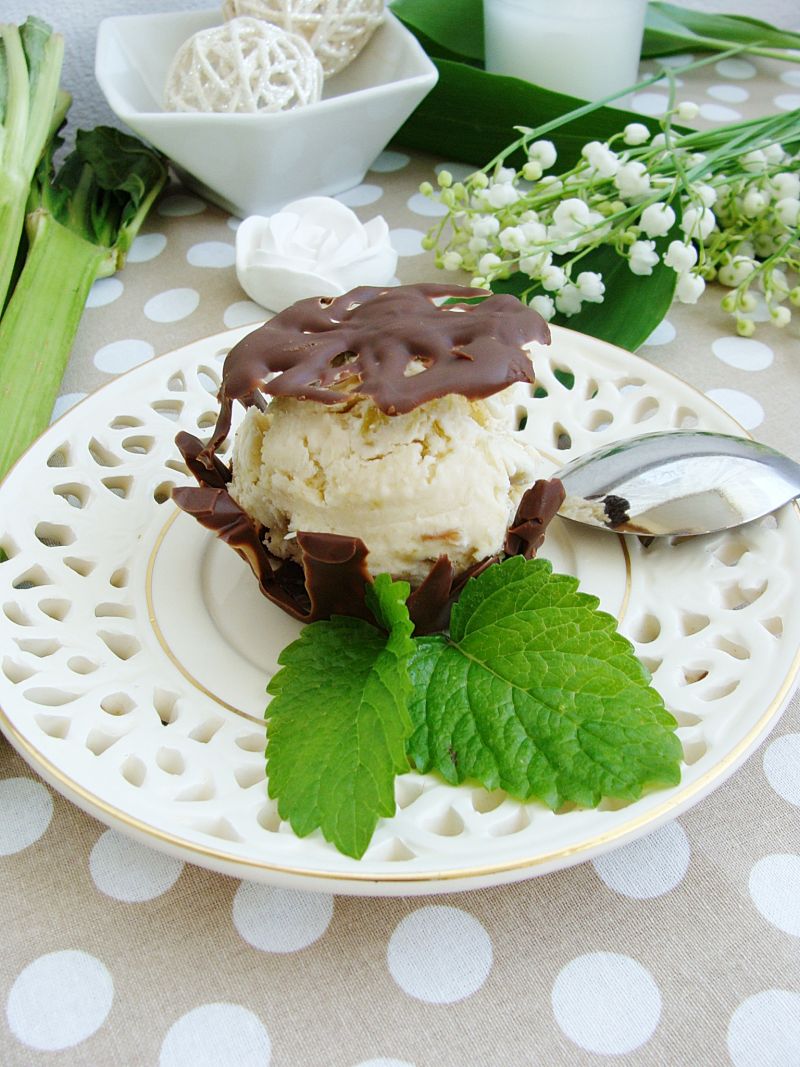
(396, 346)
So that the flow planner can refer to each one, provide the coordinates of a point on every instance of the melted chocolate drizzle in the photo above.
(362, 345)
(396, 346)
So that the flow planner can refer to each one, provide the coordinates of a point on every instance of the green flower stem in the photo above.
(788, 56)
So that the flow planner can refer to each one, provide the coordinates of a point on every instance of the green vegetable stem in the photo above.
(81, 222)
(31, 108)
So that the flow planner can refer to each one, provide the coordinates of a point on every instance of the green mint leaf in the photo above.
(338, 721)
(536, 692)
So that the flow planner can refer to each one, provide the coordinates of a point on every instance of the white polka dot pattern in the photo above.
(764, 1030)
(775, 889)
(675, 61)
(458, 171)
(242, 313)
(64, 403)
(389, 161)
(743, 353)
(172, 305)
(146, 247)
(649, 867)
(440, 954)
(119, 356)
(360, 195)
(782, 767)
(217, 1035)
(26, 809)
(728, 94)
(179, 205)
(104, 291)
(663, 334)
(606, 1003)
(212, 254)
(426, 205)
(59, 1000)
(127, 871)
(745, 409)
(740, 69)
(280, 920)
(407, 242)
(650, 103)
(719, 113)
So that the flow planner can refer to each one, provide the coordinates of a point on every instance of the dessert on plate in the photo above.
(379, 435)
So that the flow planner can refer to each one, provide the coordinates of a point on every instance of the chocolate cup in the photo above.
(334, 575)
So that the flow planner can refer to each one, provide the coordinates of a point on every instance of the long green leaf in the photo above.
(470, 116)
(671, 28)
(453, 25)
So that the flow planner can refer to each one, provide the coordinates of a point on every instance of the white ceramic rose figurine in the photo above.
(312, 247)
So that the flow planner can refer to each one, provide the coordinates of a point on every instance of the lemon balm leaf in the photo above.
(533, 691)
(536, 692)
(338, 721)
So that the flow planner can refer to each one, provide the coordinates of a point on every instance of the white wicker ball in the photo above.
(337, 30)
(245, 65)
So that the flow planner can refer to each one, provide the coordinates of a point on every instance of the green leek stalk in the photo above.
(82, 223)
(31, 109)
(31, 372)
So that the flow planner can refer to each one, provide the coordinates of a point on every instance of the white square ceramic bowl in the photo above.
(254, 164)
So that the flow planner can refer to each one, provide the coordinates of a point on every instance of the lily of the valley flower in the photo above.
(643, 257)
(728, 212)
(312, 247)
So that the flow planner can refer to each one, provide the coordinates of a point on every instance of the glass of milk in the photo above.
(587, 48)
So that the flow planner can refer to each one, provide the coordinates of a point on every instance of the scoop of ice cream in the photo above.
(442, 479)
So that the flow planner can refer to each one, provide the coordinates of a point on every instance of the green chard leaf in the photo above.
(535, 692)
(338, 721)
(104, 188)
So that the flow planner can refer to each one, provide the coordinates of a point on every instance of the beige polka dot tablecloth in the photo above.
(682, 948)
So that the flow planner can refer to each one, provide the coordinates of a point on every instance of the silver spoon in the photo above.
(680, 482)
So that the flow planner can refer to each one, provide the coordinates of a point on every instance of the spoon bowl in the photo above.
(677, 483)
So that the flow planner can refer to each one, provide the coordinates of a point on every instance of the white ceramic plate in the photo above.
(136, 647)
